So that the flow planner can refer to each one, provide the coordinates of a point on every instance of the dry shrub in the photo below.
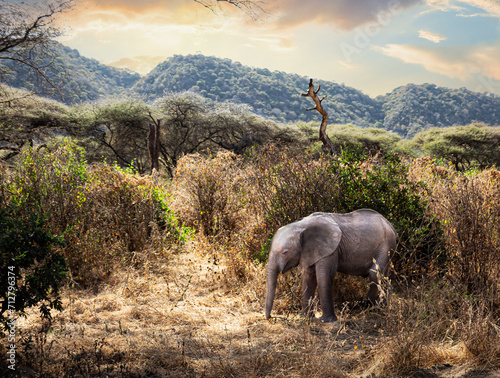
(112, 224)
(423, 328)
(211, 193)
(468, 206)
(481, 336)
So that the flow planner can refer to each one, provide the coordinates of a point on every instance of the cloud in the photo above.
(344, 14)
(430, 36)
(491, 7)
(454, 62)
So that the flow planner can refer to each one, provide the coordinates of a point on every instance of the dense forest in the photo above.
(274, 95)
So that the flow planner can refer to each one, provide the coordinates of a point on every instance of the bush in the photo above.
(292, 187)
(105, 214)
(31, 271)
(467, 205)
(211, 193)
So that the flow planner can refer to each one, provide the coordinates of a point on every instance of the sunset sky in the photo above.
(372, 45)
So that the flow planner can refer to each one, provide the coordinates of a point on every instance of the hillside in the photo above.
(274, 95)
(410, 108)
(77, 78)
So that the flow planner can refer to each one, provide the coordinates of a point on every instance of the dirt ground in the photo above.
(181, 318)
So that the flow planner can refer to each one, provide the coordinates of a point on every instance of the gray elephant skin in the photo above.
(322, 244)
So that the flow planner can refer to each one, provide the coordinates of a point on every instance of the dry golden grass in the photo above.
(188, 317)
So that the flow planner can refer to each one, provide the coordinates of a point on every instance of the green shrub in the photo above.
(106, 214)
(31, 270)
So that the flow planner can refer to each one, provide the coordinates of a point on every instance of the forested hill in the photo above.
(412, 107)
(74, 78)
(406, 110)
(272, 94)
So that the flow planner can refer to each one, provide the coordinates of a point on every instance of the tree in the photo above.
(464, 146)
(192, 123)
(25, 29)
(119, 126)
(32, 273)
(328, 147)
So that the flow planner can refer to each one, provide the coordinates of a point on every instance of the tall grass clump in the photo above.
(211, 193)
(467, 203)
(105, 214)
(452, 317)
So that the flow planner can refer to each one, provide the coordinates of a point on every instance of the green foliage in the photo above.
(412, 108)
(166, 218)
(297, 187)
(464, 146)
(372, 140)
(105, 214)
(77, 79)
(274, 95)
(31, 272)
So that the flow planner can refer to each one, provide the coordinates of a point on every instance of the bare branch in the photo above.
(251, 7)
(26, 27)
(328, 146)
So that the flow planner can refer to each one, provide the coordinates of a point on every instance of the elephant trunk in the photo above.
(272, 279)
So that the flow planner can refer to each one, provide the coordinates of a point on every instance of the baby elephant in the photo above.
(358, 243)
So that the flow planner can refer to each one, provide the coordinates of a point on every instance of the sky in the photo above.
(371, 45)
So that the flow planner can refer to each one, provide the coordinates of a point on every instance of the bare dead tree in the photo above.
(328, 146)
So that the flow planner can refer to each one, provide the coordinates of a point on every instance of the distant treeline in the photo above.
(115, 130)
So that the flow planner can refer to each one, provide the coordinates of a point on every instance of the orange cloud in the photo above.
(454, 62)
(344, 14)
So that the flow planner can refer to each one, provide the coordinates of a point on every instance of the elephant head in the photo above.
(302, 243)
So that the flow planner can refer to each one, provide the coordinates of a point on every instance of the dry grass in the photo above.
(184, 317)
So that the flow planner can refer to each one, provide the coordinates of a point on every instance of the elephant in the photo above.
(358, 243)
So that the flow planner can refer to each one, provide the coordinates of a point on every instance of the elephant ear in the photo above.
(320, 238)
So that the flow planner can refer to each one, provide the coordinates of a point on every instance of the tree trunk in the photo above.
(153, 140)
(328, 146)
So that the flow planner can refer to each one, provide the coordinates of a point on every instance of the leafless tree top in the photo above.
(251, 7)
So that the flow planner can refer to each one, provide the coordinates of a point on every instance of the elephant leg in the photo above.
(325, 275)
(373, 292)
(309, 285)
